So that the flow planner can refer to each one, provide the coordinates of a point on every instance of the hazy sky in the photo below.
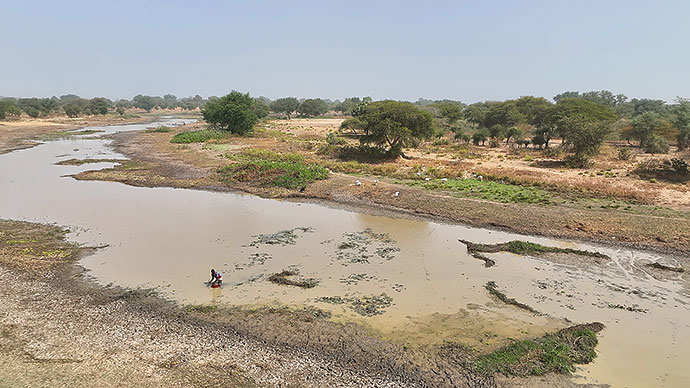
(464, 50)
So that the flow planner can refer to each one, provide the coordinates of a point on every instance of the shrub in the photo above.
(656, 145)
(679, 166)
(199, 136)
(553, 152)
(625, 154)
(578, 161)
(333, 139)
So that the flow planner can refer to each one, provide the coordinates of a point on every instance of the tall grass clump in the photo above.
(199, 136)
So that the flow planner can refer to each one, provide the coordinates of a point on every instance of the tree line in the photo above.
(581, 120)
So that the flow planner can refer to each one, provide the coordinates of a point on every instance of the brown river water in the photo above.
(168, 239)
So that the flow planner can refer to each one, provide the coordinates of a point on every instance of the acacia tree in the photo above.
(98, 106)
(312, 107)
(583, 125)
(645, 125)
(8, 108)
(144, 102)
(681, 120)
(285, 105)
(232, 112)
(394, 125)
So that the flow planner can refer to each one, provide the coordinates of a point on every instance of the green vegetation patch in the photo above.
(552, 353)
(268, 168)
(199, 136)
(489, 190)
(526, 248)
(58, 135)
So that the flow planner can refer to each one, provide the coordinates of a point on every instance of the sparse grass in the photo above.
(58, 135)
(489, 190)
(199, 136)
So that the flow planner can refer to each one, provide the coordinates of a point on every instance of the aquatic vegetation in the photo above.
(365, 305)
(284, 237)
(524, 248)
(492, 287)
(284, 278)
(359, 247)
(355, 278)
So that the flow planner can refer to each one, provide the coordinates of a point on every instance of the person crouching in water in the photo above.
(216, 278)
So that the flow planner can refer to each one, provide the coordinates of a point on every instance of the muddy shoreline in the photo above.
(59, 321)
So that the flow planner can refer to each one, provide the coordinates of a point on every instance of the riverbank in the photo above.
(155, 161)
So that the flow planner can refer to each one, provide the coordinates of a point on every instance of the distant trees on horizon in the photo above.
(582, 120)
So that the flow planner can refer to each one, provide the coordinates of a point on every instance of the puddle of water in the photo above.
(170, 238)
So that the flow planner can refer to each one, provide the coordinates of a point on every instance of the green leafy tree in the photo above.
(583, 125)
(8, 108)
(475, 113)
(452, 112)
(480, 136)
(393, 125)
(98, 106)
(644, 125)
(681, 120)
(260, 108)
(72, 109)
(504, 113)
(497, 132)
(146, 103)
(286, 105)
(33, 107)
(312, 107)
(513, 133)
(232, 112)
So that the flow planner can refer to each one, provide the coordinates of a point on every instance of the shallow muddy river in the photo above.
(428, 288)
